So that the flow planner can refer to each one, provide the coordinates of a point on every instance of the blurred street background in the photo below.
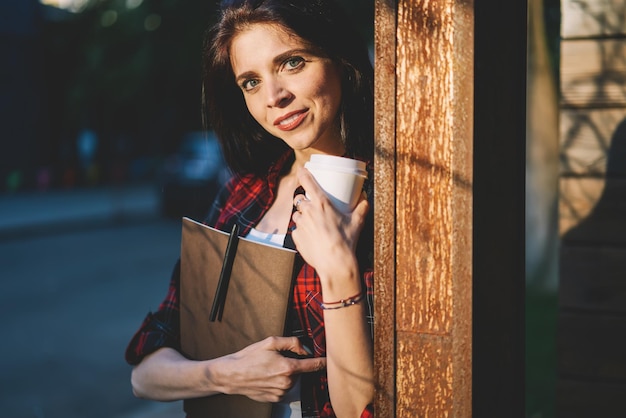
(101, 152)
(75, 287)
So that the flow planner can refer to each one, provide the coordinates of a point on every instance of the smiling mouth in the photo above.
(291, 120)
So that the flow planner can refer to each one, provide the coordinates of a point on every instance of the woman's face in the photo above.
(291, 91)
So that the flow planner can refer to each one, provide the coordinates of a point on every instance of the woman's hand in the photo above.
(261, 372)
(323, 235)
(326, 239)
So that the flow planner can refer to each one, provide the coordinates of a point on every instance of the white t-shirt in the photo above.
(289, 406)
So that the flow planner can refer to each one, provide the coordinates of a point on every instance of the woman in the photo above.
(284, 80)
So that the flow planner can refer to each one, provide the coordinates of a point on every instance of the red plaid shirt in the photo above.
(244, 200)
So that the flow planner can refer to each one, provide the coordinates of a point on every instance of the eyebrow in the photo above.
(278, 59)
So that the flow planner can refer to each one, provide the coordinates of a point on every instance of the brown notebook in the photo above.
(254, 306)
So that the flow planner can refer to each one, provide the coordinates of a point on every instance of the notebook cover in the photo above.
(257, 300)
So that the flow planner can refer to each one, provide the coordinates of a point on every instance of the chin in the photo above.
(299, 144)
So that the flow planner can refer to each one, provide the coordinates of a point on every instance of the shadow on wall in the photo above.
(606, 224)
(591, 334)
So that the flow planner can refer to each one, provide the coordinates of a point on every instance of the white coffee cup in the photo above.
(341, 178)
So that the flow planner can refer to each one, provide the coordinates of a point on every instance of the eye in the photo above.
(293, 63)
(249, 84)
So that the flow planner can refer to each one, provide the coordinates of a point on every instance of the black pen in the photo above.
(222, 284)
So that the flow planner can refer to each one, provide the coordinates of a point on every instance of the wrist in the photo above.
(341, 280)
(215, 375)
(342, 303)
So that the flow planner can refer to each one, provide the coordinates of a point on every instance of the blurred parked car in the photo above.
(190, 179)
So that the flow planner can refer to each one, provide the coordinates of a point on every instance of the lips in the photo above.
(291, 120)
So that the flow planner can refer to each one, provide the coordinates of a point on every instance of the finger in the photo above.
(310, 365)
(360, 210)
(295, 217)
(297, 201)
(292, 344)
(308, 182)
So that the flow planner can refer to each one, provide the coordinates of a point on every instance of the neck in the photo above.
(302, 156)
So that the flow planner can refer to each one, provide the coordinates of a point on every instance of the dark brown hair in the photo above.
(247, 147)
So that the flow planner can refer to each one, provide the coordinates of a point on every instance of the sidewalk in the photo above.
(36, 212)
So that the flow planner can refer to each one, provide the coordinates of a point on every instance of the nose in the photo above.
(278, 94)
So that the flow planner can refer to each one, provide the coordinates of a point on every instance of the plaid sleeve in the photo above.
(162, 328)
(159, 329)
(368, 412)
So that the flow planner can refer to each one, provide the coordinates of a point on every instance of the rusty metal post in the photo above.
(424, 108)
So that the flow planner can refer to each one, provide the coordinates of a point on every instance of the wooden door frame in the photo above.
(464, 354)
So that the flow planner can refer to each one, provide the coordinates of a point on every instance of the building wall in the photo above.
(591, 339)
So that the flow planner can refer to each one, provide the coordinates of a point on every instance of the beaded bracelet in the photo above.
(352, 300)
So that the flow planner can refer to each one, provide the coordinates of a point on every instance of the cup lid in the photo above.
(335, 161)
(338, 169)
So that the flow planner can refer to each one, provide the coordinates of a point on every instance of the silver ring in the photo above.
(297, 205)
